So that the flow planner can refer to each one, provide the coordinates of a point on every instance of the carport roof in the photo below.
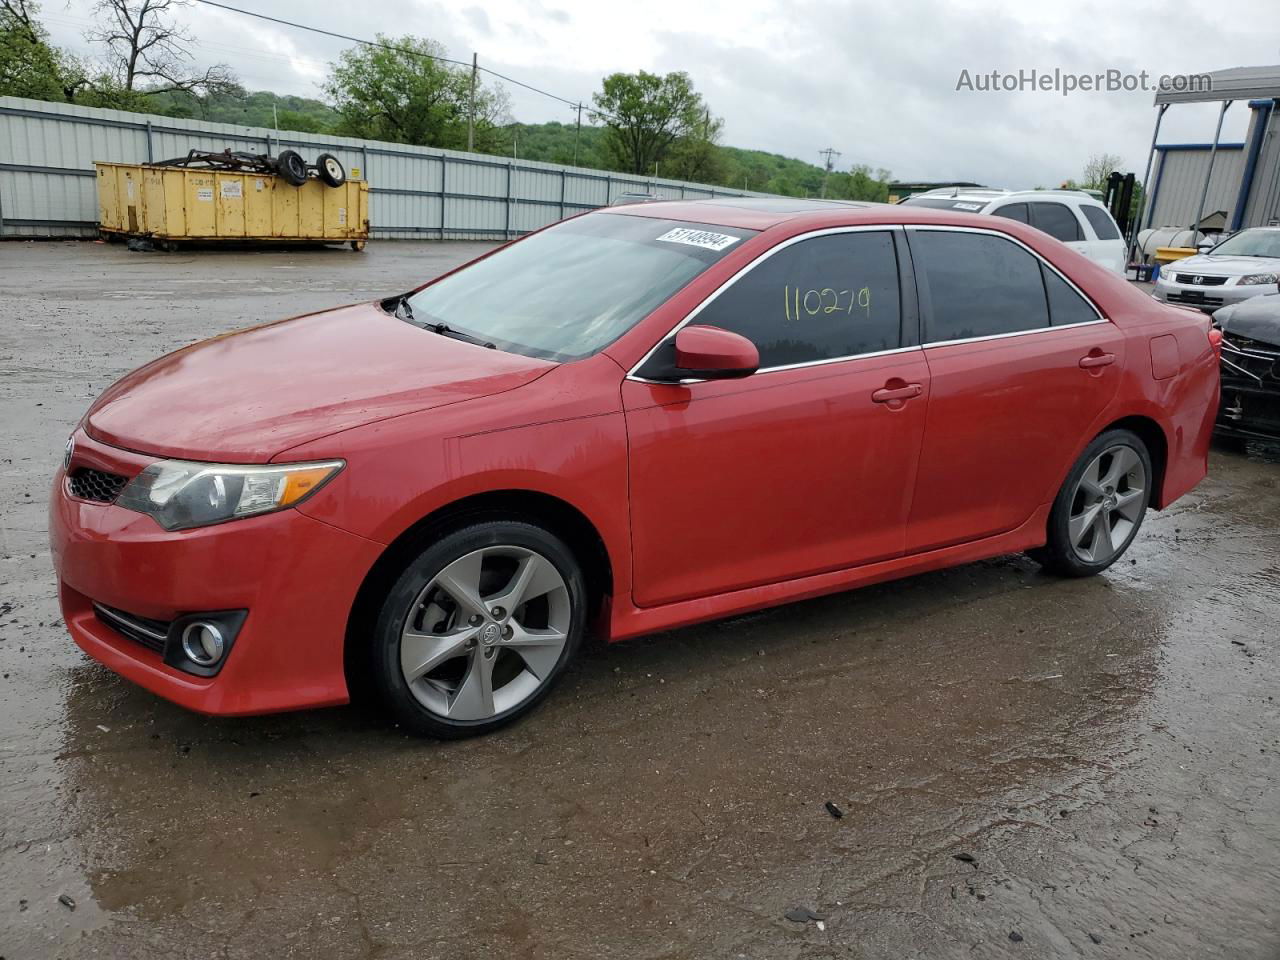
(1237, 83)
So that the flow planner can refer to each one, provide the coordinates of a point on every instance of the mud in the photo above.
(1026, 767)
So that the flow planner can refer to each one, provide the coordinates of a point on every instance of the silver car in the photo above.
(1246, 264)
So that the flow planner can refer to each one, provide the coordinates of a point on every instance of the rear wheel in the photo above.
(478, 629)
(1100, 507)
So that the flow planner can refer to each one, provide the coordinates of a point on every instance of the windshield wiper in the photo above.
(447, 331)
(404, 311)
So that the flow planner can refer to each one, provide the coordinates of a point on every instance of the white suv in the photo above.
(1072, 216)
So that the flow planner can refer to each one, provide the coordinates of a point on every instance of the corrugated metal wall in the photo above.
(47, 185)
(1179, 177)
(1263, 208)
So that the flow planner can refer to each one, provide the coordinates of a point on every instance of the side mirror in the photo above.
(1204, 247)
(712, 353)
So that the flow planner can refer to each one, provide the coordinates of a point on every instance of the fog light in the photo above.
(203, 643)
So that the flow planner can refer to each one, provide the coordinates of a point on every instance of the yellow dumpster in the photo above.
(172, 204)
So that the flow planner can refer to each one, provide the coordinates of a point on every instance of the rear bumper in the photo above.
(297, 577)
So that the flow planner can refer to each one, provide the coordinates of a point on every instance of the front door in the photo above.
(807, 465)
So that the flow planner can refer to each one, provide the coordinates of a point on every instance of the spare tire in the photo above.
(331, 170)
(291, 168)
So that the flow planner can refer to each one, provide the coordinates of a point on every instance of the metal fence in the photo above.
(48, 188)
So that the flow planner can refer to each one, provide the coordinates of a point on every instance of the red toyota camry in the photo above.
(632, 420)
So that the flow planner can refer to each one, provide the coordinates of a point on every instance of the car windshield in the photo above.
(568, 291)
(1250, 243)
(945, 203)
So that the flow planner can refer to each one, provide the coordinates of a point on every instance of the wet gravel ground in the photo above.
(1026, 766)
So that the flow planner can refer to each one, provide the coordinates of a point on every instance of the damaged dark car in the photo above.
(1250, 368)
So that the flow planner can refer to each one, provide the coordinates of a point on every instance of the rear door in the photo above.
(1020, 365)
(807, 465)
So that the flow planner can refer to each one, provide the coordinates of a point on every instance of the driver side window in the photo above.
(823, 298)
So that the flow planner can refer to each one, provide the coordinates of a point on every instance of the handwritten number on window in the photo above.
(798, 303)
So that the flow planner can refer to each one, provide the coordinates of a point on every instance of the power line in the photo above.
(396, 49)
(830, 153)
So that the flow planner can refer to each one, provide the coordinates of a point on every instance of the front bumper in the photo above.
(1206, 298)
(297, 577)
(1250, 389)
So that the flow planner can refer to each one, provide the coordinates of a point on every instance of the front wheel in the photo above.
(1100, 507)
(478, 628)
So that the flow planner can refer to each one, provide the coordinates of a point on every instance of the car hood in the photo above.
(247, 396)
(1257, 319)
(1225, 266)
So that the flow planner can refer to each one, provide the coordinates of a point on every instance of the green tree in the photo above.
(698, 157)
(866, 184)
(645, 115)
(403, 92)
(29, 65)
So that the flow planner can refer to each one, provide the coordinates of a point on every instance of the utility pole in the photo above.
(471, 111)
(830, 154)
(576, 134)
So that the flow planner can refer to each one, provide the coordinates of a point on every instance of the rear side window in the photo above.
(1101, 222)
(1065, 305)
(1013, 211)
(819, 299)
(979, 285)
(1055, 219)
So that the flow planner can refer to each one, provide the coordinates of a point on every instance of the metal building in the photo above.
(1193, 182)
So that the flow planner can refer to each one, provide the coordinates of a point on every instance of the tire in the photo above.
(330, 169)
(291, 168)
(1110, 483)
(456, 662)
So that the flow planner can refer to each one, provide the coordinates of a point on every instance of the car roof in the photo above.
(750, 213)
(1077, 195)
(1018, 196)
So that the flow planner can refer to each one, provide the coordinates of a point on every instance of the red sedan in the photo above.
(635, 419)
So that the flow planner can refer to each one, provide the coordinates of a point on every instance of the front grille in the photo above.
(1196, 280)
(1243, 357)
(1195, 298)
(150, 633)
(97, 485)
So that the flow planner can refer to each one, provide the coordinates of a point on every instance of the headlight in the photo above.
(180, 494)
(1255, 278)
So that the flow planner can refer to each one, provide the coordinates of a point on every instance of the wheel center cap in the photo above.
(1110, 501)
(490, 634)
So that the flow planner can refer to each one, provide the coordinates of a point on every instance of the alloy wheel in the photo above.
(485, 633)
(1108, 504)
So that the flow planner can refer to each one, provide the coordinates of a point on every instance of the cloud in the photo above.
(876, 82)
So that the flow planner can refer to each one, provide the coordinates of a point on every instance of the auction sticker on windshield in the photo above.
(699, 238)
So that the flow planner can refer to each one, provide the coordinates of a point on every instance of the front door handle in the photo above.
(888, 394)
(1096, 358)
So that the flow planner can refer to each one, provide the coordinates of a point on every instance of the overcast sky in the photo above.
(876, 82)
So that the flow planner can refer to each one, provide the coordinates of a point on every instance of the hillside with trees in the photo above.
(401, 89)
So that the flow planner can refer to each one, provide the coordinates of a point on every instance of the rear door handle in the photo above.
(905, 392)
(1097, 359)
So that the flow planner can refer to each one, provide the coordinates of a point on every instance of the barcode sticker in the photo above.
(699, 238)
